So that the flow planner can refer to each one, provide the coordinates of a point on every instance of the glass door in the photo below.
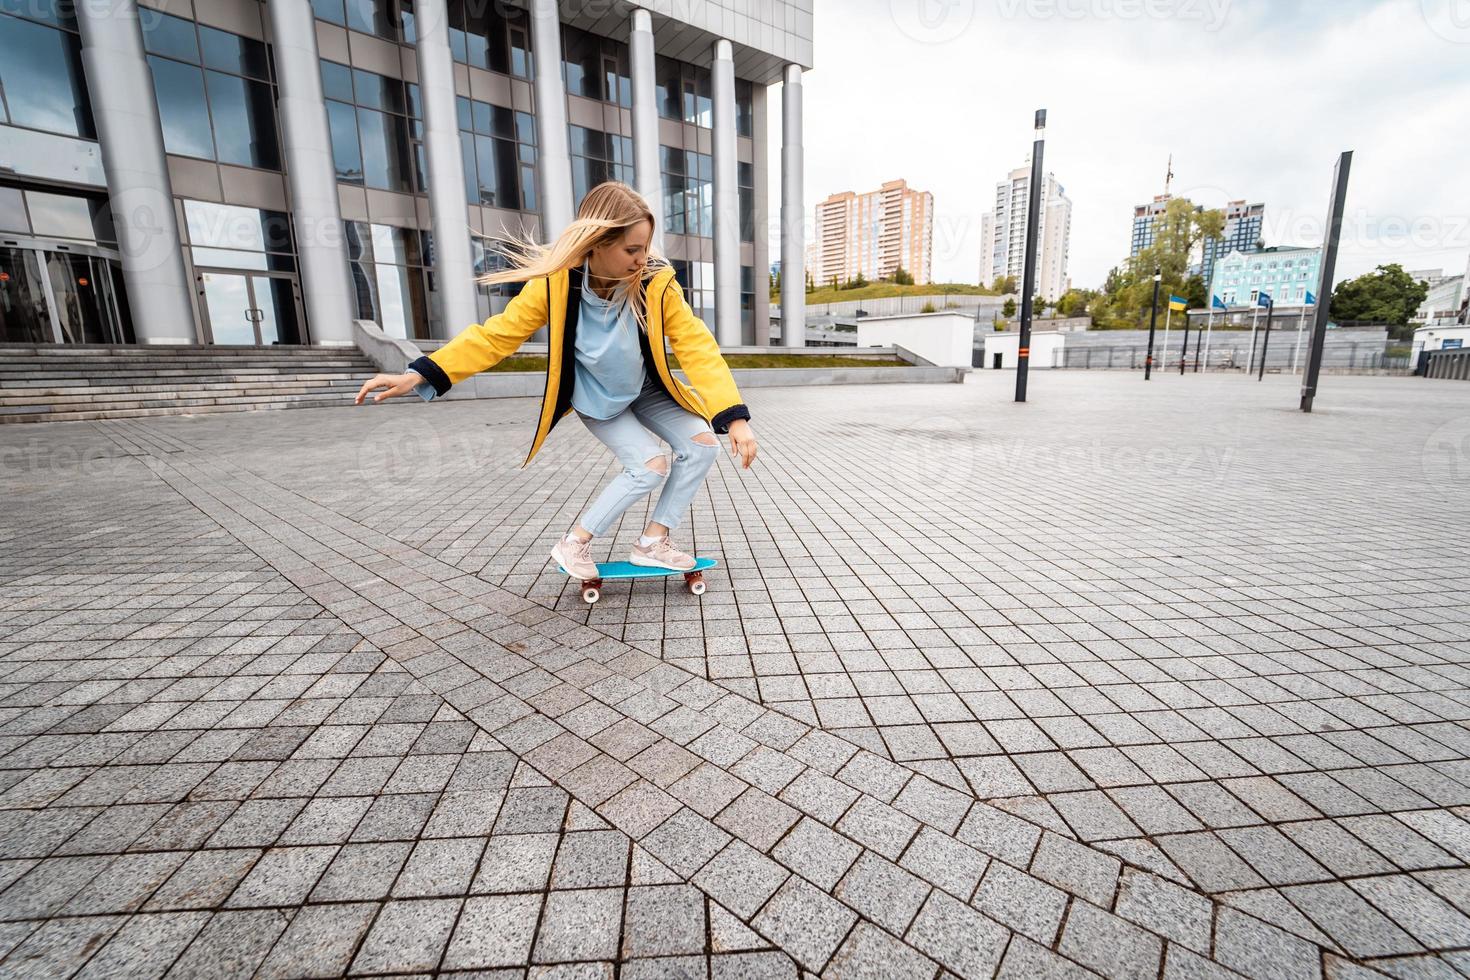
(25, 315)
(251, 308)
(54, 293)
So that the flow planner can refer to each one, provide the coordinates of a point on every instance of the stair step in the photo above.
(83, 382)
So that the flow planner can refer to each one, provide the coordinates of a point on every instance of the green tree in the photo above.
(1386, 295)
(902, 278)
(1074, 302)
(1003, 285)
(1128, 293)
(1009, 309)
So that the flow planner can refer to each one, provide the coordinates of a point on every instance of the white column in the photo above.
(646, 168)
(448, 203)
(553, 149)
(316, 212)
(138, 189)
(727, 199)
(793, 214)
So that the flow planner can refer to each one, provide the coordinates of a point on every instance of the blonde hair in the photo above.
(606, 214)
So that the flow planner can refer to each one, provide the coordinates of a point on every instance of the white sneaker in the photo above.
(575, 556)
(661, 554)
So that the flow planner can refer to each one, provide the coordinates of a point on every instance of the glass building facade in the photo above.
(220, 97)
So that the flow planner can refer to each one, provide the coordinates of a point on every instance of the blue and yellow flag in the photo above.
(1177, 304)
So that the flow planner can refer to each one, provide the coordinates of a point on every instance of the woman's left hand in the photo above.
(742, 442)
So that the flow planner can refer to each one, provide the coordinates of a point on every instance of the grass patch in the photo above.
(537, 362)
(884, 290)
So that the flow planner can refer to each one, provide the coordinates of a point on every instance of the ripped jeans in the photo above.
(633, 445)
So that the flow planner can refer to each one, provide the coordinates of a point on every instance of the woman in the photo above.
(609, 301)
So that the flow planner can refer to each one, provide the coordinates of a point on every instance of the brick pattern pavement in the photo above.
(297, 697)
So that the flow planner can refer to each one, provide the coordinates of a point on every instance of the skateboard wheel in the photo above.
(591, 594)
(695, 581)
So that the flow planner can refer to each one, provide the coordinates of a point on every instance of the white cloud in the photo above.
(1253, 99)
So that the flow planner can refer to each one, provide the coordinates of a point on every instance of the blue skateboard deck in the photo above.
(591, 588)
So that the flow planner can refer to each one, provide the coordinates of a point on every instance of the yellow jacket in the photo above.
(554, 301)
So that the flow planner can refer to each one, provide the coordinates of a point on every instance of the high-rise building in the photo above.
(1145, 218)
(875, 233)
(1241, 233)
(172, 175)
(1003, 234)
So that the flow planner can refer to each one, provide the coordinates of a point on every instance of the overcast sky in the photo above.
(1254, 99)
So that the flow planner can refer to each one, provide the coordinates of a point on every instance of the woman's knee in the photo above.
(650, 474)
(700, 446)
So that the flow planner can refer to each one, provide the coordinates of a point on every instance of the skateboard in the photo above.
(592, 587)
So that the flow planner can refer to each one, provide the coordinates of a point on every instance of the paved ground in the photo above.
(1145, 680)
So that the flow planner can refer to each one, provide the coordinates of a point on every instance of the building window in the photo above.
(746, 185)
(373, 132)
(499, 147)
(683, 92)
(390, 277)
(214, 92)
(744, 107)
(698, 281)
(493, 36)
(688, 191)
(368, 16)
(228, 236)
(595, 67)
(596, 157)
(42, 85)
(747, 295)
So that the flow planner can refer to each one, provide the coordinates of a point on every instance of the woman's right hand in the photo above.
(396, 384)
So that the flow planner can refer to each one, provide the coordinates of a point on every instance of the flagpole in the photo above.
(1250, 362)
(1209, 327)
(1167, 316)
(1300, 322)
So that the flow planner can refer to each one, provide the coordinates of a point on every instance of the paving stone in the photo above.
(1076, 868)
(819, 855)
(945, 862)
(872, 954)
(144, 946)
(1023, 903)
(438, 868)
(580, 925)
(741, 878)
(232, 944)
(805, 922)
(878, 826)
(407, 936)
(1163, 907)
(882, 892)
(964, 941)
(1107, 944)
(319, 941)
(493, 931)
(1257, 950)
(685, 842)
(361, 872)
(664, 920)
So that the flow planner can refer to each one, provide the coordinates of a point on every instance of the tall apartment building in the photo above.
(1003, 234)
(875, 233)
(248, 172)
(1242, 232)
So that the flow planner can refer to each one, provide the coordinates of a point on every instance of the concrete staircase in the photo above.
(73, 382)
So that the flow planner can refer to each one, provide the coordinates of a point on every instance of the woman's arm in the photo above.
(699, 355)
(481, 346)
